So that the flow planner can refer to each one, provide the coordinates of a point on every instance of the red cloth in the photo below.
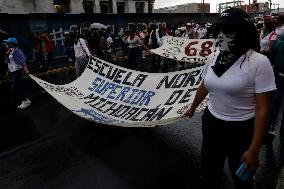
(49, 45)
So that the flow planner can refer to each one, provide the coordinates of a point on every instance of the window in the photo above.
(150, 7)
(120, 7)
(61, 6)
(104, 5)
(88, 6)
(140, 7)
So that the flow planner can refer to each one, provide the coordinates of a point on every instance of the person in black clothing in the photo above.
(154, 42)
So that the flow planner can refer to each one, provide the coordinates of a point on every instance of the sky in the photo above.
(213, 3)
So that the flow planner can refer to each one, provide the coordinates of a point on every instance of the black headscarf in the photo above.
(230, 38)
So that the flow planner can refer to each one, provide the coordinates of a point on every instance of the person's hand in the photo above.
(27, 72)
(251, 159)
(7, 73)
(189, 112)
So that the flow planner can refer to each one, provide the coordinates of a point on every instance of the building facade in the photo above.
(186, 8)
(76, 6)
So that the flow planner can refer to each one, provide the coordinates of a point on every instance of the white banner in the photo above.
(113, 95)
(185, 50)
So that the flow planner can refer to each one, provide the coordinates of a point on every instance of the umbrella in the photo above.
(97, 26)
(3, 32)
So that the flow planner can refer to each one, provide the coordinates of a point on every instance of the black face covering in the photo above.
(223, 62)
(227, 56)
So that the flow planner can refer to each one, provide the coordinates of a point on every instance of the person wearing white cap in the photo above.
(16, 62)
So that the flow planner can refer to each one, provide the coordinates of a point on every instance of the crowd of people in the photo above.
(242, 77)
(43, 48)
(134, 41)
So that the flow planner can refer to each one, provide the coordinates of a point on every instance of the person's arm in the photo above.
(7, 73)
(150, 39)
(24, 66)
(199, 97)
(260, 123)
(270, 45)
(142, 44)
(124, 39)
(110, 42)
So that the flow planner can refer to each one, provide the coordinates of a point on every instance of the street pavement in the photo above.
(48, 147)
(53, 148)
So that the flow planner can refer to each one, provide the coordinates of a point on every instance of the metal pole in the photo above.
(202, 10)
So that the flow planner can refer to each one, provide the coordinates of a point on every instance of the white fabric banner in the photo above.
(113, 95)
(185, 50)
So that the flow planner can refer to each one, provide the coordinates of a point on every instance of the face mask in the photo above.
(224, 42)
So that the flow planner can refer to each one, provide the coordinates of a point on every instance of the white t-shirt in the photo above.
(81, 49)
(135, 42)
(232, 96)
(12, 65)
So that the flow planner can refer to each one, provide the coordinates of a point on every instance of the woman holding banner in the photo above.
(82, 53)
(239, 82)
(134, 44)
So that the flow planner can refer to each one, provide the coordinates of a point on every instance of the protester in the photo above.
(102, 50)
(69, 45)
(16, 62)
(82, 54)
(94, 41)
(110, 47)
(189, 32)
(134, 44)
(49, 47)
(155, 42)
(201, 31)
(268, 35)
(39, 49)
(239, 82)
(277, 52)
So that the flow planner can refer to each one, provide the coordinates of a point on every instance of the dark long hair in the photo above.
(247, 36)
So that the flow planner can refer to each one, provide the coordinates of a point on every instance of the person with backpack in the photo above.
(16, 62)
(82, 54)
(239, 82)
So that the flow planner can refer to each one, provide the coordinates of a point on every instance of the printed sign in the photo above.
(113, 95)
(185, 50)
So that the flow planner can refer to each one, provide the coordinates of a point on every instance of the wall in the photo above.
(77, 6)
(185, 8)
(26, 6)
